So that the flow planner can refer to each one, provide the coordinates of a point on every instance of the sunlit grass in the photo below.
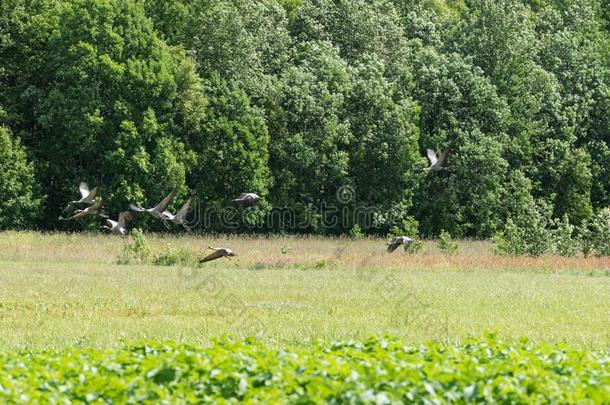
(64, 290)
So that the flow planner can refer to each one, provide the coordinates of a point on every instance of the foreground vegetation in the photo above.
(378, 371)
(64, 290)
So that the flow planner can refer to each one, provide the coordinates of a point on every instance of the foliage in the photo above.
(565, 240)
(296, 99)
(597, 234)
(356, 232)
(19, 204)
(446, 243)
(172, 256)
(228, 370)
(526, 234)
(137, 251)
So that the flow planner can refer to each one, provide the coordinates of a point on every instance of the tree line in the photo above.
(294, 99)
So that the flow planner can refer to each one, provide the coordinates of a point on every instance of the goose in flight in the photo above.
(436, 164)
(92, 210)
(247, 198)
(118, 227)
(218, 253)
(87, 197)
(397, 241)
(157, 211)
(180, 217)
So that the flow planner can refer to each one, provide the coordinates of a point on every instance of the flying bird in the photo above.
(87, 197)
(247, 198)
(397, 241)
(119, 227)
(92, 210)
(180, 217)
(437, 164)
(218, 253)
(157, 211)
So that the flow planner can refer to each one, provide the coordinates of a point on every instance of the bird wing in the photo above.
(213, 256)
(394, 243)
(125, 217)
(84, 189)
(96, 205)
(94, 192)
(443, 159)
(185, 209)
(431, 156)
(78, 215)
(135, 208)
(166, 201)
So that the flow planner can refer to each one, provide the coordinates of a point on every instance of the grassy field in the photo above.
(59, 290)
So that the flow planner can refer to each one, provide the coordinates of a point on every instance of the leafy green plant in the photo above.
(172, 256)
(596, 234)
(482, 371)
(137, 251)
(356, 232)
(526, 234)
(446, 243)
(408, 227)
(19, 204)
(565, 242)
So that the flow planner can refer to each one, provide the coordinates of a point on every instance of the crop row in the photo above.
(375, 371)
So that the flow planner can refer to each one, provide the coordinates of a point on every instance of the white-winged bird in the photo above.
(437, 164)
(119, 227)
(87, 197)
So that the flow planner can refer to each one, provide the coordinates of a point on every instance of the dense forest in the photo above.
(299, 100)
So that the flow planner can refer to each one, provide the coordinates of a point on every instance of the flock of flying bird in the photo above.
(160, 212)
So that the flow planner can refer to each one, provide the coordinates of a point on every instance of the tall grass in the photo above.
(62, 290)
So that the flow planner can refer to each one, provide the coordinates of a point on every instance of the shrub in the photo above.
(356, 232)
(408, 227)
(172, 256)
(526, 234)
(596, 234)
(446, 243)
(138, 251)
(564, 241)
